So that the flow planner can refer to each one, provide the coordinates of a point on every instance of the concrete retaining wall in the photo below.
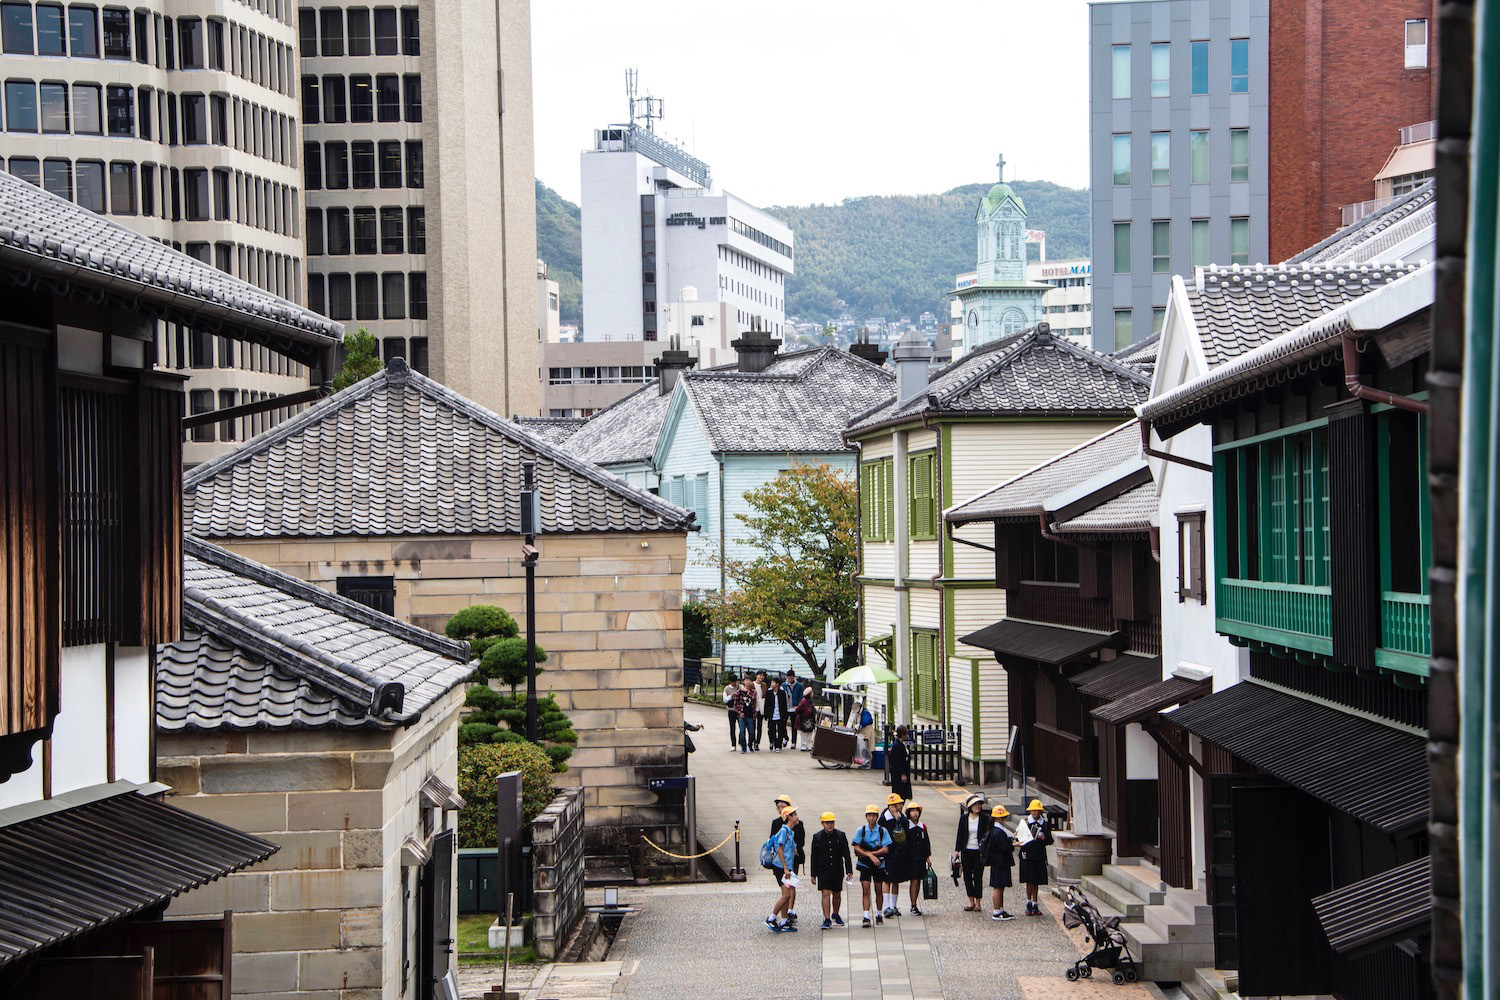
(557, 871)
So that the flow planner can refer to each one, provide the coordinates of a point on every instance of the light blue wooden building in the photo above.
(704, 439)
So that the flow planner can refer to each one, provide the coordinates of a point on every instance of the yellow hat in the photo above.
(999, 812)
(872, 809)
(783, 798)
(912, 805)
(826, 818)
(787, 811)
(893, 799)
(1036, 806)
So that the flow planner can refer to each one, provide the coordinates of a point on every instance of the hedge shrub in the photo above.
(478, 766)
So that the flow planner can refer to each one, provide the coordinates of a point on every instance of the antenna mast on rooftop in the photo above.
(642, 108)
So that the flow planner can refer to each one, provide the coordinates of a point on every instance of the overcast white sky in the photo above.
(798, 101)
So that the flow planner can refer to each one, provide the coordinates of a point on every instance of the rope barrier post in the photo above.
(737, 874)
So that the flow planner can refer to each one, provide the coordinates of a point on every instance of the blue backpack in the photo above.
(865, 718)
(768, 852)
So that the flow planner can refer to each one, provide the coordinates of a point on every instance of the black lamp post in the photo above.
(531, 523)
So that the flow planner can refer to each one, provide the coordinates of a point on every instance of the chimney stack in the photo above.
(912, 355)
(755, 349)
(672, 363)
(862, 348)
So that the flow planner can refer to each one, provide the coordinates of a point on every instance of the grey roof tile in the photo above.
(263, 650)
(623, 432)
(1133, 510)
(399, 454)
(1026, 495)
(1031, 372)
(1237, 309)
(42, 233)
(553, 430)
(1377, 232)
(800, 405)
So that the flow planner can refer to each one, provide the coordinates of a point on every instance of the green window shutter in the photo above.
(888, 498)
(864, 501)
(922, 518)
(700, 499)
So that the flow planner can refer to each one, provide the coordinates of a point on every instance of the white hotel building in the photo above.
(656, 232)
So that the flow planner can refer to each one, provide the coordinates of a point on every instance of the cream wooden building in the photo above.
(999, 411)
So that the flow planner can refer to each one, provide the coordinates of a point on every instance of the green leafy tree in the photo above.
(478, 766)
(482, 625)
(804, 526)
(505, 661)
(361, 359)
(497, 717)
(697, 632)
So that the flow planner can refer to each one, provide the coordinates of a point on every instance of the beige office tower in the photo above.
(421, 206)
(178, 119)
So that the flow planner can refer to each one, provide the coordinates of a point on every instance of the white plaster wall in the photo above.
(78, 736)
(1187, 632)
(612, 183)
(1140, 754)
(134, 713)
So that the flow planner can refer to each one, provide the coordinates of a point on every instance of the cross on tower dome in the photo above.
(1000, 163)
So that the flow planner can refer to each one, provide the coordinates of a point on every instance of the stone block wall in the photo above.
(557, 871)
(320, 918)
(609, 615)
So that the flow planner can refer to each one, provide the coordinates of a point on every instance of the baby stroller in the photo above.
(1110, 951)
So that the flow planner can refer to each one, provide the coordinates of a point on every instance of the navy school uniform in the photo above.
(1033, 868)
(1000, 855)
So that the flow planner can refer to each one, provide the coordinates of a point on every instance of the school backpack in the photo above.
(768, 852)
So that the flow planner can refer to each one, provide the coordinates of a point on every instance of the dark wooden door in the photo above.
(94, 977)
(435, 951)
(1281, 861)
(1175, 830)
(1220, 889)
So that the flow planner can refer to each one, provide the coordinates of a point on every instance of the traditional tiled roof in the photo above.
(799, 405)
(1405, 218)
(624, 432)
(1133, 510)
(1387, 303)
(1141, 354)
(1032, 373)
(553, 430)
(399, 454)
(1236, 309)
(1028, 494)
(50, 237)
(263, 650)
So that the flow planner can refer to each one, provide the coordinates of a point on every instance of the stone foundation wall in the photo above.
(609, 615)
(557, 871)
(321, 918)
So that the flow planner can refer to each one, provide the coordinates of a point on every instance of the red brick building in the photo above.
(1329, 138)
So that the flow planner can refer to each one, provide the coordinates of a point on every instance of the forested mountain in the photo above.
(888, 256)
(896, 255)
(559, 242)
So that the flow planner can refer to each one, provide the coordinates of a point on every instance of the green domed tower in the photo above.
(1001, 302)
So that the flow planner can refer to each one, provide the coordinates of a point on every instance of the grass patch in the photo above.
(474, 943)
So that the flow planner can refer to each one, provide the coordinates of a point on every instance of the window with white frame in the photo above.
(1416, 43)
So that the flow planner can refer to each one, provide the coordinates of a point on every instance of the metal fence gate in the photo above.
(933, 749)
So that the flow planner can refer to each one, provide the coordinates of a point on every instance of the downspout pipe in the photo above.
(1361, 391)
(1167, 456)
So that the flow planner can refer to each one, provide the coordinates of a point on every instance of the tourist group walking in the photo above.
(892, 847)
(775, 711)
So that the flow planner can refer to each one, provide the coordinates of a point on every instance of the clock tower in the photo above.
(1001, 303)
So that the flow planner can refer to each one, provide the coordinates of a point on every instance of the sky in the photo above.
(795, 103)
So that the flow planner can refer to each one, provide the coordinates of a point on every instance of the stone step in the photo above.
(1208, 984)
(1141, 881)
(1106, 892)
(1193, 924)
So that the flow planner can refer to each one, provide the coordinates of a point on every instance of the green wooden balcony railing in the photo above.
(1405, 632)
(1284, 614)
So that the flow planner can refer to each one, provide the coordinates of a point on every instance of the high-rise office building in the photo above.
(1179, 106)
(1238, 132)
(657, 232)
(421, 212)
(178, 120)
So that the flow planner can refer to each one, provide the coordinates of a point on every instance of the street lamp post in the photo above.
(530, 525)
